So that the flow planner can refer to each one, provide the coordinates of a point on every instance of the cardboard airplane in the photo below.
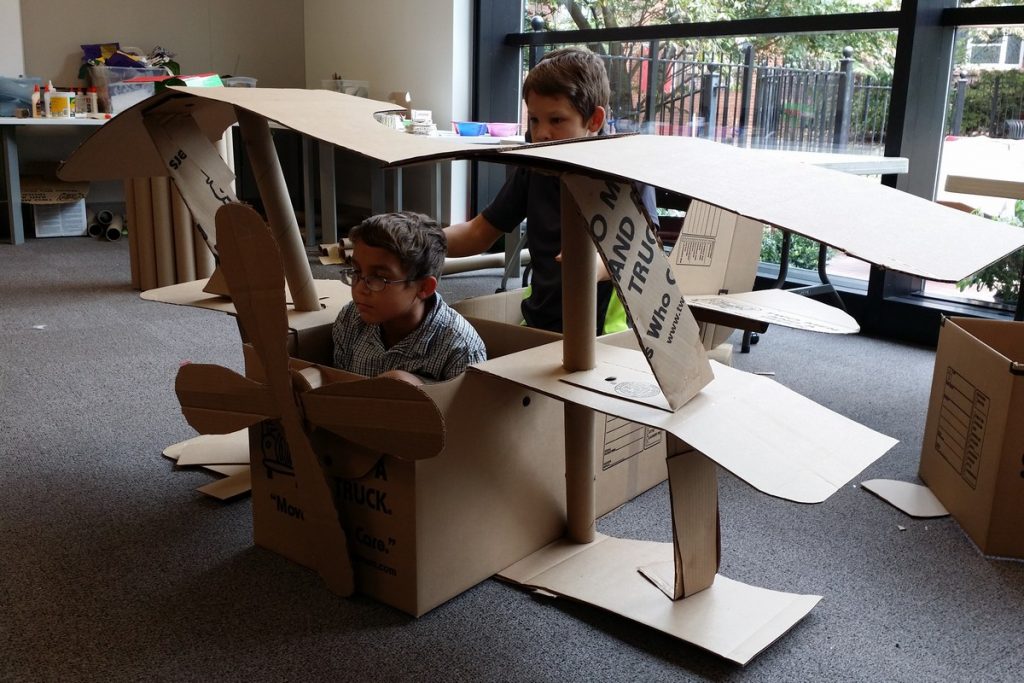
(777, 441)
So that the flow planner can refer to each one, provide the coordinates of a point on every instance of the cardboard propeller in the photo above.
(216, 400)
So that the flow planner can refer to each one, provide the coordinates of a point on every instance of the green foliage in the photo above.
(977, 116)
(1002, 277)
(873, 50)
(803, 252)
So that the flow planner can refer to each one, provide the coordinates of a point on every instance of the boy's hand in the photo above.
(602, 269)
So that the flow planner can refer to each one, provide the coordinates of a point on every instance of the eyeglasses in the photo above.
(375, 283)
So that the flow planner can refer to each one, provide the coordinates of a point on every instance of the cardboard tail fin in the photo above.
(696, 539)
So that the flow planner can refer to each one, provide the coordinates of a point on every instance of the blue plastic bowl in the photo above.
(469, 128)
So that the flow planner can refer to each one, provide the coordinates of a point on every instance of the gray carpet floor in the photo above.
(112, 567)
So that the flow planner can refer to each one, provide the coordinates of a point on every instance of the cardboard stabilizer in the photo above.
(731, 619)
(778, 307)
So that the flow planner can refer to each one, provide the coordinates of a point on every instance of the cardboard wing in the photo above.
(878, 224)
(771, 437)
(664, 326)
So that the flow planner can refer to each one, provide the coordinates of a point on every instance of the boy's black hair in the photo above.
(576, 73)
(416, 239)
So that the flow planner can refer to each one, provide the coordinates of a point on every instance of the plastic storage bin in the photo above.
(113, 93)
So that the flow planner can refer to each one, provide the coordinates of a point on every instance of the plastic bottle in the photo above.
(93, 105)
(36, 107)
(46, 99)
(81, 103)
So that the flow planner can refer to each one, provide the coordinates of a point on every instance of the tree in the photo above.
(874, 51)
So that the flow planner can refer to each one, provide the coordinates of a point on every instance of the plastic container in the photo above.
(502, 130)
(469, 128)
(239, 82)
(113, 94)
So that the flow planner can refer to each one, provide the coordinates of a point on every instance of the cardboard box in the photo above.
(972, 456)
(58, 207)
(421, 532)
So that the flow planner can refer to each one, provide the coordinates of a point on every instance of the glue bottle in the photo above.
(92, 104)
(36, 107)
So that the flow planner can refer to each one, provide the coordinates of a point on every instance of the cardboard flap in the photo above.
(216, 449)
(913, 499)
(870, 221)
(731, 619)
(230, 486)
(778, 307)
(201, 175)
(384, 415)
(664, 326)
(716, 251)
(771, 437)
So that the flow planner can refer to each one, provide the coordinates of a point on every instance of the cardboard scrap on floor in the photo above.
(225, 454)
(731, 619)
(215, 449)
(229, 487)
(913, 499)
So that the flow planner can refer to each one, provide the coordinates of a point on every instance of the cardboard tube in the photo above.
(226, 149)
(205, 261)
(133, 246)
(579, 473)
(184, 249)
(479, 262)
(579, 288)
(142, 224)
(112, 232)
(266, 168)
(95, 229)
(579, 303)
(163, 233)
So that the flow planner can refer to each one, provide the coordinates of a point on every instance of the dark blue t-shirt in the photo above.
(536, 196)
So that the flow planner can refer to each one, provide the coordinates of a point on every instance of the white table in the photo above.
(10, 168)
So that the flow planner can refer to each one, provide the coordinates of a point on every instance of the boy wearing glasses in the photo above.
(397, 325)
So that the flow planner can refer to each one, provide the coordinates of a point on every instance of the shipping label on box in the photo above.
(972, 456)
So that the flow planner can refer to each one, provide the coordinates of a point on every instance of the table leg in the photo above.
(12, 182)
(328, 199)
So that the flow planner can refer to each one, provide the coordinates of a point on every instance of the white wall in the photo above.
(12, 59)
(259, 38)
(420, 47)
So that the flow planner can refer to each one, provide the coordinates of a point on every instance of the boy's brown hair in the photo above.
(576, 73)
(417, 240)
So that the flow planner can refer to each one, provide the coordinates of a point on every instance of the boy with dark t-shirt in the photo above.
(566, 97)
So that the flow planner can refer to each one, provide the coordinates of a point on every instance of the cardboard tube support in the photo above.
(143, 228)
(579, 303)
(133, 241)
(184, 249)
(205, 261)
(266, 169)
(163, 233)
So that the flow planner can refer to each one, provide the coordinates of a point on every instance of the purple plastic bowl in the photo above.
(503, 130)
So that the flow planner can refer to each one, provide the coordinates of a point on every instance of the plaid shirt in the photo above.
(441, 347)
